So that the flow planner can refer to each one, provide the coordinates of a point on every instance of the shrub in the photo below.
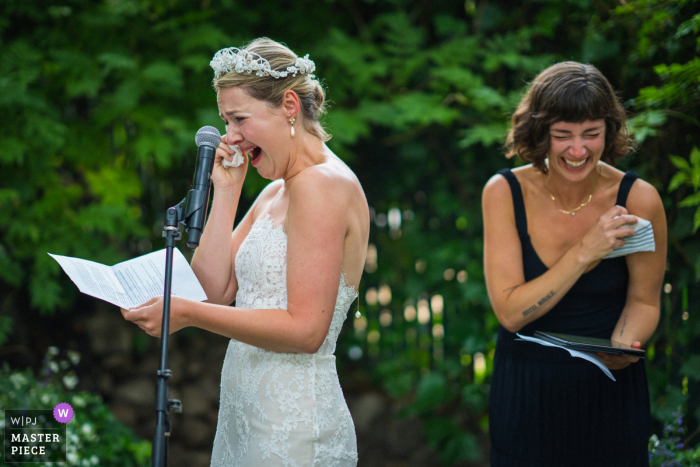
(95, 437)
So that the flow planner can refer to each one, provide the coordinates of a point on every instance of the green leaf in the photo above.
(486, 135)
(680, 163)
(114, 186)
(5, 328)
(116, 62)
(695, 158)
(203, 37)
(432, 392)
(447, 25)
(45, 292)
(346, 126)
(462, 446)
(646, 123)
(475, 398)
(439, 429)
(157, 146)
(596, 47)
(399, 385)
(691, 367)
(10, 271)
(692, 200)
(164, 78)
(680, 178)
(12, 150)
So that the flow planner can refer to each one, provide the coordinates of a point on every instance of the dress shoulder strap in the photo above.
(518, 204)
(624, 190)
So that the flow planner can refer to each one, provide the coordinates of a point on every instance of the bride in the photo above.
(292, 264)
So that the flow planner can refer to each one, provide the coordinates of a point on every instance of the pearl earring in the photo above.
(291, 121)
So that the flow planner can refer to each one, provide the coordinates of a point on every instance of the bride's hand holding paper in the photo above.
(149, 316)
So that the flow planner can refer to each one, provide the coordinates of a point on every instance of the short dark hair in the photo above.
(566, 92)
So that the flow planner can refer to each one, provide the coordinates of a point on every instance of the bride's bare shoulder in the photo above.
(270, 190)
(332, 178)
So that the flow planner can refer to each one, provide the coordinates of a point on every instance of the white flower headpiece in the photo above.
(244, 61)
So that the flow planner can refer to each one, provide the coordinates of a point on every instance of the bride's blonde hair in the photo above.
(271, 90)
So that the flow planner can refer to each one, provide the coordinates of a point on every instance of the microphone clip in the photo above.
(195, 203)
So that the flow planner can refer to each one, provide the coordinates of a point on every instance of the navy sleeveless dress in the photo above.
(550, 409)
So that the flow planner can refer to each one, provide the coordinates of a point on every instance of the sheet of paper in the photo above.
(589, 356)
(93, 279)
(132, 282)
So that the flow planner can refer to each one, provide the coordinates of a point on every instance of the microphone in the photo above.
(208, 139)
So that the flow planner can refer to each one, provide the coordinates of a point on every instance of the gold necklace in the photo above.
(573, 211)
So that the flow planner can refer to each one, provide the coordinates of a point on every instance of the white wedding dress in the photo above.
(281, 409)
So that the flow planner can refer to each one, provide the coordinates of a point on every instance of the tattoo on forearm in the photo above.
(539, 304)
(623, 326)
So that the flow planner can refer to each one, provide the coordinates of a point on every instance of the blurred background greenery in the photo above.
(100, 101)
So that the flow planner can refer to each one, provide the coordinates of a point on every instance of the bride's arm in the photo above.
(316, 227)
(213, 260)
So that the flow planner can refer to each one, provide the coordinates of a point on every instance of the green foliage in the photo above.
(5, 328)
(669, 450)
(688, 174)
(691, 368)
(94, 436)
(667, 123)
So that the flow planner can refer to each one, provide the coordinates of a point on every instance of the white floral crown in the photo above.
(244, 61)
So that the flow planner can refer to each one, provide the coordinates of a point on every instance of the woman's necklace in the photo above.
(573, 211)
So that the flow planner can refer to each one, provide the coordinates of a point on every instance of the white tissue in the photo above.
(641, 240)
(237, 158)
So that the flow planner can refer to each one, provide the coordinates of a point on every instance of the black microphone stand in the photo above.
(176, 215)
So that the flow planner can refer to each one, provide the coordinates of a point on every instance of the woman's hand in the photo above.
(149, 316)
(607, 233)
(228, 177)
(618, 362)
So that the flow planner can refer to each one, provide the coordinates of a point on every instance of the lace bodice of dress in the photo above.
(281, 409)
(261, 271)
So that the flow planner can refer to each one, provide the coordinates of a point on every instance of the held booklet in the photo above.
(589, 356)
(132, 282)
(590, 344)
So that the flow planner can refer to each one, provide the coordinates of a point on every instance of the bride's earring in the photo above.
(291, 121)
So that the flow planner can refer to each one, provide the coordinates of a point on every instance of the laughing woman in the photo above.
(547, 228)
(292, 264)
